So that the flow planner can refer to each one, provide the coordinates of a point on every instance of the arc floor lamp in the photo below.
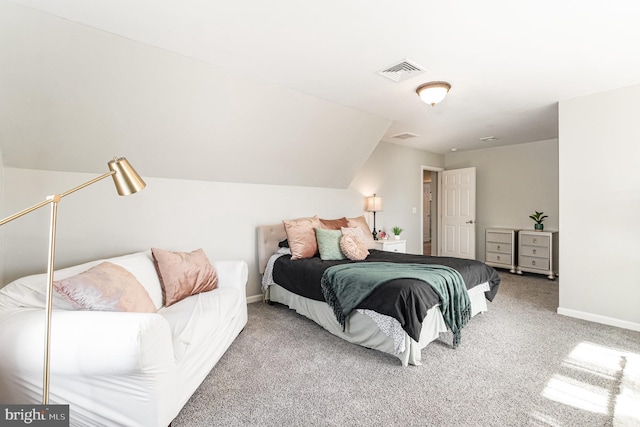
(127, 181)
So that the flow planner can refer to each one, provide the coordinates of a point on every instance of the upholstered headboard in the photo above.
(268, 238)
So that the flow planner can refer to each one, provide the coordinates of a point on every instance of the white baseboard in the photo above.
(254, 298)
(624, 324)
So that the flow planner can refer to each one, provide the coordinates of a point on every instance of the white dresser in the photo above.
(500, 248)
(538, 252)
(392, 245)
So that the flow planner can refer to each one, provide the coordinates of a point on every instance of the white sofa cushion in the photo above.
(194, 319)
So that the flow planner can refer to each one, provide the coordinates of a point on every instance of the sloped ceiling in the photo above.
(73, 97)
(245, 80)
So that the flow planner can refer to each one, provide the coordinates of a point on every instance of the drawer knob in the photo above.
(533, 263)
(498, 257)
(498, 247)
(535, 240)
(534, 251)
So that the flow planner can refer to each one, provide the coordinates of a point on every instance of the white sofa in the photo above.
(118, 368)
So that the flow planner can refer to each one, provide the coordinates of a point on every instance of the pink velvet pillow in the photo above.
(333, 224)
(183, 274)
(355, 231)
(361, 223)
(301, 235)
(353, 248)
(105, 287)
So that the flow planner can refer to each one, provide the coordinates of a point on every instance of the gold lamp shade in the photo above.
(125, 178)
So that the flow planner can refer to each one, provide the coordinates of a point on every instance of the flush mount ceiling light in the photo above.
(433, 92)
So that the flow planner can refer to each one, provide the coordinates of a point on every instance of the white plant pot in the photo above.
(396, 236)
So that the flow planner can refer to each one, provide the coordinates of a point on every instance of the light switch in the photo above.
(414, 210)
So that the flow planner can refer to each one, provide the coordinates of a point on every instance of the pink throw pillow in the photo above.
(361, 223)
(333, 224)
(353, 248)
(105, 287)
(183, 274)
(301, 235)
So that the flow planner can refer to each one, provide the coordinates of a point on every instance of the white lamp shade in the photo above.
(374, 204)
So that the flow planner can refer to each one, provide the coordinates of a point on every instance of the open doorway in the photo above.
(429, 210)
(427, 197)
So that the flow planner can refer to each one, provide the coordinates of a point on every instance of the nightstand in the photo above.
(500, 248)
(538, 252)
(392, 245)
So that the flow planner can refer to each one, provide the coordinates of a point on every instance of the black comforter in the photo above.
(407, 300)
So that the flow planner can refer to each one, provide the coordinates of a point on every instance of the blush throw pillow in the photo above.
(301, 236)
(334, 224)
(361, 222)
(105, 287)
(183, 274)
(329, 244)
(353, 248)
(356, 231)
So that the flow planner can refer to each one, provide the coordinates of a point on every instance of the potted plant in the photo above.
(538, 217)
(396, 232)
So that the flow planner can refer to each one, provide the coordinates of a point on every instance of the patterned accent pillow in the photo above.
(301, 236)
(105, 287)
(329, 244)
(183, 274)
(353, 247)
(361, 222)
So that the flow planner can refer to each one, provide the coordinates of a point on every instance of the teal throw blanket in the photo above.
(345, 286)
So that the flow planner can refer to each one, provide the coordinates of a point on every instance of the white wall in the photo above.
(512, 183)
(395, 173)
(185, 215)
(600, 217)
(177, 215)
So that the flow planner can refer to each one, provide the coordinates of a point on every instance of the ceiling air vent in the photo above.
(405, 135)
(402, 71)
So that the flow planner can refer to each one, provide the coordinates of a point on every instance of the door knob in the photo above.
(469, 222)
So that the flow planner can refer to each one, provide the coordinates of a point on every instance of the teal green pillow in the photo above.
(329, 244)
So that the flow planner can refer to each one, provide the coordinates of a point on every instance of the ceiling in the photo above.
(509, 63)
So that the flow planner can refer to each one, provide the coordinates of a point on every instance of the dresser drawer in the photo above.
(533, 262)
(503, 248)
(392, 245)
(396, 247)
(498, 237)
(535, 251)
(498, 258)
(530, 240)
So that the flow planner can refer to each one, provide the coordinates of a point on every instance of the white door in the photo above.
(459, 213)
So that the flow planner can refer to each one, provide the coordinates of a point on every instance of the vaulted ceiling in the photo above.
(289, 91)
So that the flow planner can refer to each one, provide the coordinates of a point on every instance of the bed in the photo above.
(295, 284)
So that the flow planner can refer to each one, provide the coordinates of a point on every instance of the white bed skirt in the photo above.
(362, 330)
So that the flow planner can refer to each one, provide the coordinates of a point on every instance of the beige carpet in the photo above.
(518, 364)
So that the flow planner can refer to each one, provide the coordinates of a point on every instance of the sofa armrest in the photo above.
(87, 342)
(232, 274)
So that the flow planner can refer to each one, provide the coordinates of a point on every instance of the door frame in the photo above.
(437, 183)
